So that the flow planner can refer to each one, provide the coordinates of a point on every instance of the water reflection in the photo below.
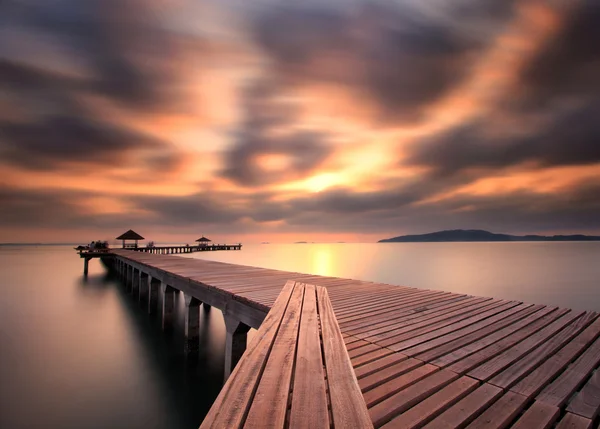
(80, 352)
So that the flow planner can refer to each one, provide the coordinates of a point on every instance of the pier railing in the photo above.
(172, 250)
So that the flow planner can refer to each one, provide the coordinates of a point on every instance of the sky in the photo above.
(271, 120)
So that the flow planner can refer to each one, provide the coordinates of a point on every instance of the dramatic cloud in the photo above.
(358, 117)
(569, 139)
(266, 147)
(401, 56)
(568, 65)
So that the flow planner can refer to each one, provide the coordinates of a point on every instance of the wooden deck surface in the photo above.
(296, 373)
(434, 359)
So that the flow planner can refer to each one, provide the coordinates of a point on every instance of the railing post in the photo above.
(236, 338)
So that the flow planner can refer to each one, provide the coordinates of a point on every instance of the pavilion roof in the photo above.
(130, 235)
(203, 239)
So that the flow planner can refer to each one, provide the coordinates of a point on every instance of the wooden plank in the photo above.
(587, 401)
(501, 413)
(378, 364)
(538, 416)
(535, 381)
(309, 398)
(448, 343)
(401, 401)
(344, 391)
(269, 405)
(360, 351)
(448, 326)
(467, 409)
(395, 385)
(369, 357)
(567, 383)
(234, 400)
(371, 381)
(493, 366)
(492, 348)
(434, 405)
(573, 421)
(447, 304)
(530, 361)
(421, 320)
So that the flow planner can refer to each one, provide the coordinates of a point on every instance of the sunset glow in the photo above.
(266, 121)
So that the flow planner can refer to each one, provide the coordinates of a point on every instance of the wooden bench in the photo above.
(296, 372)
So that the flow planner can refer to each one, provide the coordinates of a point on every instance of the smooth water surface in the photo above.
(562, 274)
(80, 353)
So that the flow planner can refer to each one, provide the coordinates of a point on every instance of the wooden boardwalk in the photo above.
(428, 358)
(296, 373)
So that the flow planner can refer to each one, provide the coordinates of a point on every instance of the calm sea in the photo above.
(80, 353)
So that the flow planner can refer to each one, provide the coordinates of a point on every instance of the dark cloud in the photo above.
(131, 57)
(568, 139)
(267, 130)
(58, 140)
(400, 57)
(568, 65)
(118, 50)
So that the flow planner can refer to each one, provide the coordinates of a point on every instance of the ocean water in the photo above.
(80, 353)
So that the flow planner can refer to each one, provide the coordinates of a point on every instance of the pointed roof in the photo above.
(203, 239)
(130, 235)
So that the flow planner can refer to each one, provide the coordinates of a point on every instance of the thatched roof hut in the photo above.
(203, 241)
(130, 235)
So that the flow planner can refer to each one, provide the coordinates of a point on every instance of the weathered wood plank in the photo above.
(536, 380)
(231, 405)
(560, 389)
(493, 366)
(501, 413)
(378, 364)
(401, 401)
(394, 371)
(573, 421)
(538, 416)
(344, 391)
(369, 357)
(530, 361)
(309, 400)
(467, 409)
(269, 404)
(431, 407)
(587, 401)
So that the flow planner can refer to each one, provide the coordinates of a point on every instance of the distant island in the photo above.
(464, 235)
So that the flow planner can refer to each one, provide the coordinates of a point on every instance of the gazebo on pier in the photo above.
(130, 235)
(203, 241)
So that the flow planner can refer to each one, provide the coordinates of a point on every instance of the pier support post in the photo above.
(135, 283)
(235, 342)
(192, 324)
(86, 264)
(206, 306)
(128, 278)
(153, 286)
(168, 305)
(144, 286)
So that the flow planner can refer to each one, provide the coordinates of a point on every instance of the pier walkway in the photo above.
(423, 358)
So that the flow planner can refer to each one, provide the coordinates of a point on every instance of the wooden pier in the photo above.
(422, 358)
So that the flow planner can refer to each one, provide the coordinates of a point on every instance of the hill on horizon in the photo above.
(474, 235)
